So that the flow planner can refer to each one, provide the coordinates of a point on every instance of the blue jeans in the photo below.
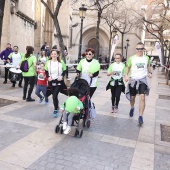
(43, 89)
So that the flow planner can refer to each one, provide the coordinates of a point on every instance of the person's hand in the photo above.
(150, 75)
(112, 73)
(50, 78)
(4, 61)
(77, 75)
(90, 75)
(60, 78)
(126, 78)
(61, 110)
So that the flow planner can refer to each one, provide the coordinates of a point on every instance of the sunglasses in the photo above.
(89, 54)
(139, 49)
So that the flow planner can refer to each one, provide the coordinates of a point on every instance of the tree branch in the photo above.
(48, 9)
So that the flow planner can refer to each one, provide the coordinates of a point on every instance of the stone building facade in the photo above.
(27, 22)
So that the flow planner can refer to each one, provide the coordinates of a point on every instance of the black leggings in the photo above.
(92, 90)
(31, 82)
(6, 73)
(55, 90)
(116, 92)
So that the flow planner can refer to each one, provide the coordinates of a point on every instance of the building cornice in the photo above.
(25, 17)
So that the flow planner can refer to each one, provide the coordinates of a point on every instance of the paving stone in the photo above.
(12, 132)
(108, 125)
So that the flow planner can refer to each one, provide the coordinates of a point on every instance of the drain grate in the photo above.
(164, 97)
(5, 102)
(165, 133)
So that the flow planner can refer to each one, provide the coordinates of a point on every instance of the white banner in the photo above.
(115, 41)
(158, 49)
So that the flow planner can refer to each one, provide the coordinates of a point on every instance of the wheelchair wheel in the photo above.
(88, 123)
(81, 133)
(57, 129)
(76, 132)
(61, 130)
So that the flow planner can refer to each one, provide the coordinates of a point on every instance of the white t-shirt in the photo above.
(43, 59)
(138, 66)
(54, 69)
(16, 58)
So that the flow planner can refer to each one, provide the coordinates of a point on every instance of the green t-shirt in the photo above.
(31, 60)
(138, 66)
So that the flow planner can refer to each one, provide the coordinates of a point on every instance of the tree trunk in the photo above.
(97, 35)
(2, 6)
(60, 38)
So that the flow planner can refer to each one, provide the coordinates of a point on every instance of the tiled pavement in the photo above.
(113, 142)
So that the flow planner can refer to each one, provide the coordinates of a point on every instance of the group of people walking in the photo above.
(50, 76)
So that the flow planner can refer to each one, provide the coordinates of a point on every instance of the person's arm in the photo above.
(2, 55)
(149, 69)
(79, 68)
(129, 64)
(9, 57)
(35, 64)
(109, 71)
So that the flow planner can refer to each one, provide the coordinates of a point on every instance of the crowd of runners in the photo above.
(49, 75)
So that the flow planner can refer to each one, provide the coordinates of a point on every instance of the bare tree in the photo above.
(156, 21)
(100, 6)
(2, 6)
(54, 17)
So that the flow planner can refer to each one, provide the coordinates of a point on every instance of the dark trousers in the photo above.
(92, 90)
(115, 94)
(43, 89)
(6, 73)
(66, 71)
(55, 91)
(31, 82)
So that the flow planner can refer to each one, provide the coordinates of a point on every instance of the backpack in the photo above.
(24, 65)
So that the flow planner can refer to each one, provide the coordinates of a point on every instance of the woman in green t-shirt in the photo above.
(29, 76)
(116, 70)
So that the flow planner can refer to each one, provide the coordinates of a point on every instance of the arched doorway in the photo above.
(92, 43)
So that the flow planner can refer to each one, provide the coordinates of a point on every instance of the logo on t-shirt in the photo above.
(117, 73)
(140, 65)
(41, 76)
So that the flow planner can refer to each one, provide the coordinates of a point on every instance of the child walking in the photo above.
(41, 84)
(69, 108)
(116, 84)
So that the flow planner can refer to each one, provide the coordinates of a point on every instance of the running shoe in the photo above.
(112, 109)
(55, 114)
(140, 119)
(64, 125)
(67, 131)
(41, 99)
(46, 103)
(131, 112)
(116, 109)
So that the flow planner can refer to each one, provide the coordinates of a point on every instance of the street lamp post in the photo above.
(82, 14)
(126, 47)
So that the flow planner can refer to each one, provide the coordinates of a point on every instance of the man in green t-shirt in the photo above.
(139, 67)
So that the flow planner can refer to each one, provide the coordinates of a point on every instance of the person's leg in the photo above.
(26, 80)
(70, 119)
(20, 82)
(38, 90)
(141, 104)
(66, 71)
(117, 94)
(142, 90)
(32, 83)
(132, 99)
(55, 91)
(6, 74)
(92, 90)
(44, 89)
(64, 120)
(113, 92)
(13, 83)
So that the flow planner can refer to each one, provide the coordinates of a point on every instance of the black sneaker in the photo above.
(19, 85)
(30, 100)
(13, 85)
(131, 112)
(140, 119)
(5, 82)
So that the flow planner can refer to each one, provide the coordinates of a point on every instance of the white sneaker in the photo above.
(64, 125)
(67, 131)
